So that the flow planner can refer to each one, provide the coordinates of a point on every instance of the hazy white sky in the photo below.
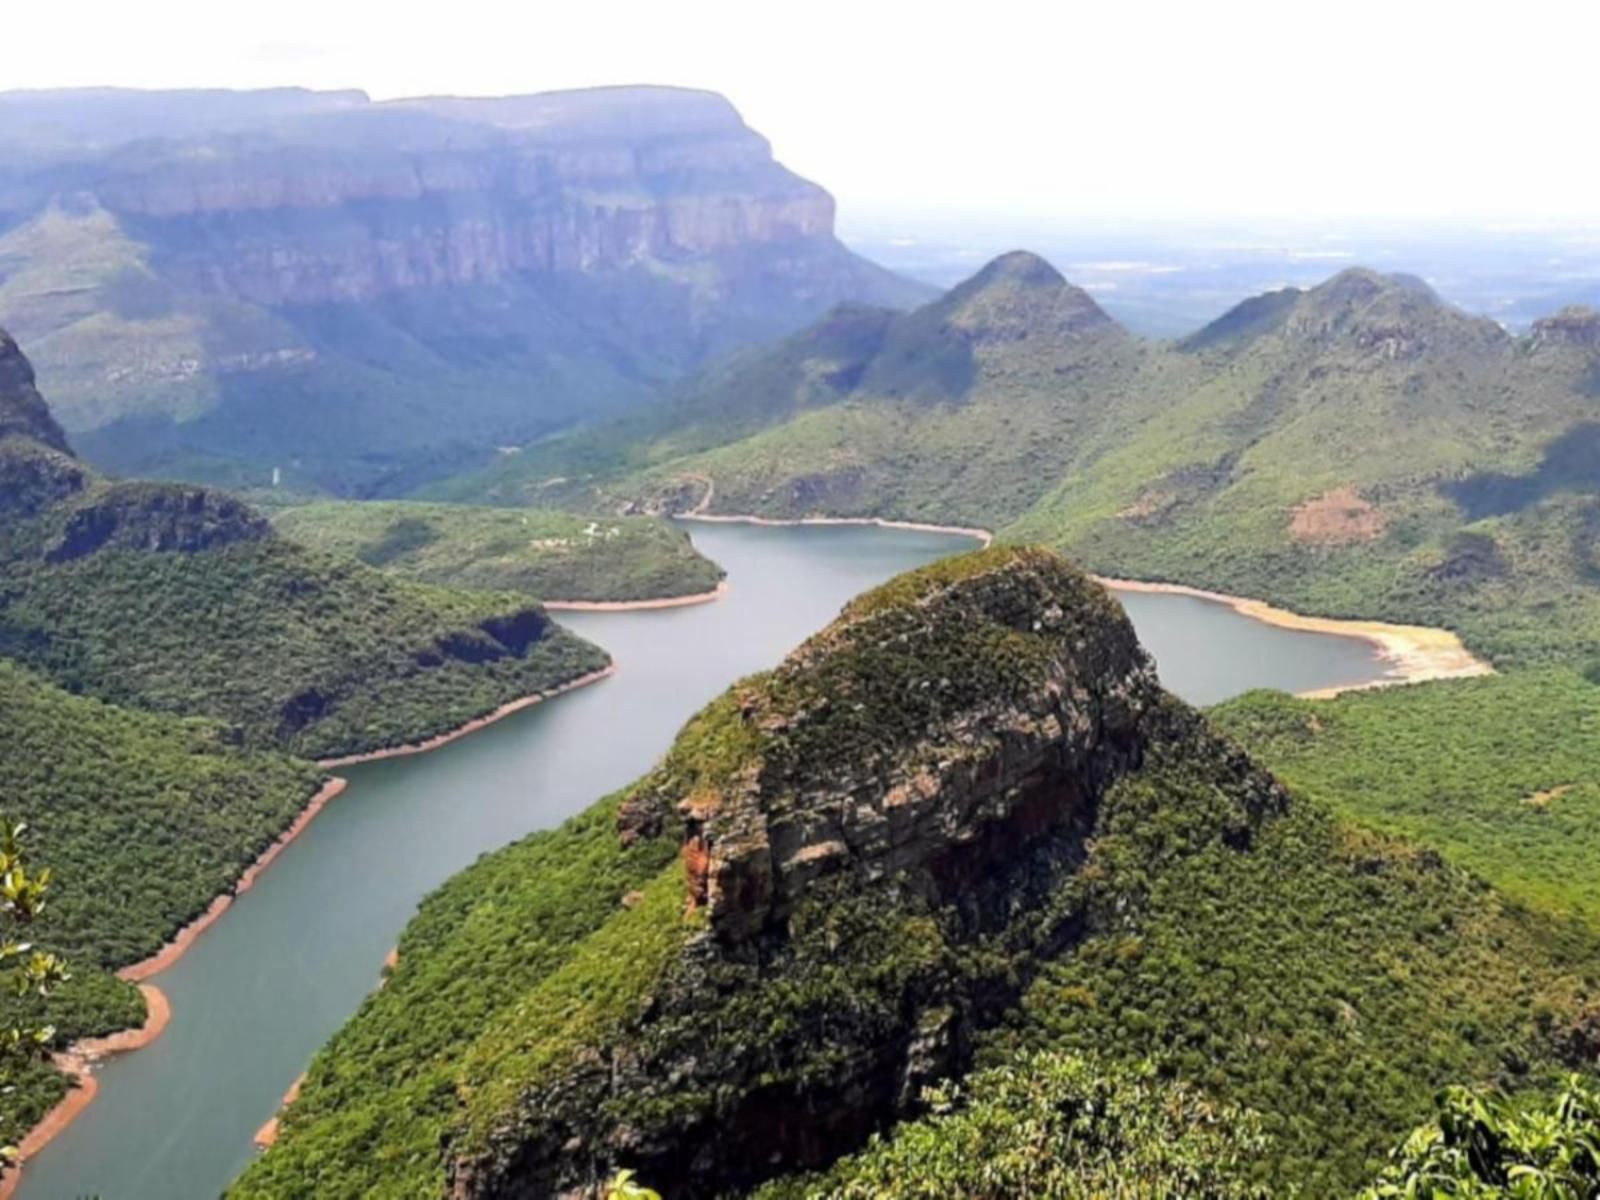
(1121, 108)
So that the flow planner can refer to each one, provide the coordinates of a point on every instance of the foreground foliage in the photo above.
(1488, 1146)
(547, 554)
(25, 969)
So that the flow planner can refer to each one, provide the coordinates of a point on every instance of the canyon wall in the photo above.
(363, 293)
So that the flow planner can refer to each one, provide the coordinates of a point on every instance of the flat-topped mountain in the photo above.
(217, 285)
(182, 599)
(961, 825)
(1359, 448)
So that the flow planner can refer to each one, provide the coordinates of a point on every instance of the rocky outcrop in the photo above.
(23, 412)
(1574, 326)
(880, 841)
(839, 787)
(159, 518)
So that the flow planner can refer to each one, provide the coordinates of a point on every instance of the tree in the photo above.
(23, 968)
(1482, 1146)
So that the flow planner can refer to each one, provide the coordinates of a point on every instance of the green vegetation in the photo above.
(1052, 1127)
(548, 554)
(1487, 1147)
(146, 817)
(298, 650)
(1359, 449)
(26, 969)
(521, 928)
(183, 600)
(1329, 979)
(42, 1003)
(1501, 773)
(1202, 945)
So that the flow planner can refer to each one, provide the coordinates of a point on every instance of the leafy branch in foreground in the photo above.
(624, 1186)
(25, 969)
(1482, 1145)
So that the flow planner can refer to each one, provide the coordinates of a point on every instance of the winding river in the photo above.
(259, 993)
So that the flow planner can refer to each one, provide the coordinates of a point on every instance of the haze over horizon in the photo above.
(1386, 113)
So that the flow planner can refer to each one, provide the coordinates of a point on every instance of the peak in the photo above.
(23, 412)
(929, 660)
(1023, 267)
(1019, 294)
(1361, 284)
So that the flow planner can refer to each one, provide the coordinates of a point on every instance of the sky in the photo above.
(1113, 110)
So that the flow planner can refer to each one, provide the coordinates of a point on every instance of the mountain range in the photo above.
(1359, 448)
(355, 296)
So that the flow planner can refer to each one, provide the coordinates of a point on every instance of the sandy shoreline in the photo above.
(982, 535)
(185, 937)
(444, 739)
(1417, 653)
(716, 593)
(77, 1060)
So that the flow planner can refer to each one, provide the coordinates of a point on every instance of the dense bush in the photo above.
(1052, 1126)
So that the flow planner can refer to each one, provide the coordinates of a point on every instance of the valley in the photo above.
(538, 671)
(242, 1028)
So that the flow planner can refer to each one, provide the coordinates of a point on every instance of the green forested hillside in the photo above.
(160, 647)
(143, 819)
(1358, 449)
(1501, 773)
(545, 553)
(1254, 946)
(182, 600)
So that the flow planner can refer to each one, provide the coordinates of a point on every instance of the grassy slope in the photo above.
(514, 929)
(548, 554)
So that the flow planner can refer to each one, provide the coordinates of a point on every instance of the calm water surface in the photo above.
(256, 997)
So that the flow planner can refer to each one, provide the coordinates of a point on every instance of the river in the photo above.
(293, 958)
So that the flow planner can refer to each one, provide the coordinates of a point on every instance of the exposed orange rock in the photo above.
(1338, 517)
(1549, 796)
(268, 1133)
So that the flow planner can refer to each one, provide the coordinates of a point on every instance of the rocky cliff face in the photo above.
(297, 280)
(23, 412)
(451, 192)
(879, 841)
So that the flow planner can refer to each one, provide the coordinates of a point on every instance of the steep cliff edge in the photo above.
(551, 256)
